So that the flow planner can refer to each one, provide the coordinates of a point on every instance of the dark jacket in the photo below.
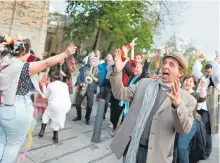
(127, 72)
(83, 73)
(65, 69)
(145, 69)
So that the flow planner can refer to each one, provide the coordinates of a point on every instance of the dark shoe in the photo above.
(55, 136)
(41, 133)
(73, 105)
(88, 122)
(77, 119)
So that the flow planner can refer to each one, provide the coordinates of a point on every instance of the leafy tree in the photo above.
(116, 22)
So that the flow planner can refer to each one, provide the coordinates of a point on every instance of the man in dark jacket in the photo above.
(86, 89)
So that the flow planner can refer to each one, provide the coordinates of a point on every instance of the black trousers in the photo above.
(206, 121)
(116, 111)
(79, 99)
(105, 93)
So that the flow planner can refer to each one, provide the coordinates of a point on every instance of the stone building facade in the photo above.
(28, 18)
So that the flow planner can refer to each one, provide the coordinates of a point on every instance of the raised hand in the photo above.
(71, 49)
(119, 64)
(151, 55)
(166, 50)
(133, 42)
(203, 83)
(19, 37)
(175, 95)
(125, 50)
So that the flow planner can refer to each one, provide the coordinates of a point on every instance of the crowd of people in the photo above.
(167, 114)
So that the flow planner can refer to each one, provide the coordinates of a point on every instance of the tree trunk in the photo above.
(110, 46)
(98, 39)
(81, 48)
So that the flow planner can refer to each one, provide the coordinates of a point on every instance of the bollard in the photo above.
(98, 122)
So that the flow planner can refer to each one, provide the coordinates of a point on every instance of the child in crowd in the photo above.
(58, 105)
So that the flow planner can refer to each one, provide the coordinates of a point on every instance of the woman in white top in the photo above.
(58, 105)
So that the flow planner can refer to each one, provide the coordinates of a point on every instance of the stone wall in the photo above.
(28, 18)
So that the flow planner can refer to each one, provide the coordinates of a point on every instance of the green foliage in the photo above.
(120, 21)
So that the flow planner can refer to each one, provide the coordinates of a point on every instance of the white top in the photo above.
(57, 92)
(196, 71)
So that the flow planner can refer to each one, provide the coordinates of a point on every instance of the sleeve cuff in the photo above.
(174, 107)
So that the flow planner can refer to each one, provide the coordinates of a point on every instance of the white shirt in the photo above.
(196, 71)
(57, 93)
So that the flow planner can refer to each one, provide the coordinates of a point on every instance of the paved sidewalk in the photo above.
(75, 144)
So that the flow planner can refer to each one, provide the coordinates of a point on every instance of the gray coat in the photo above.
(165, 122)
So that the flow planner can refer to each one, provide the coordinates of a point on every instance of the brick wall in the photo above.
(29, 18)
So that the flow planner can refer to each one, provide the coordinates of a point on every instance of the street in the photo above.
(75, 144)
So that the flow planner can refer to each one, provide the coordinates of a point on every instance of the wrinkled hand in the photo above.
(174, 95)
(133, 42)
(119, 64)
(71, 49)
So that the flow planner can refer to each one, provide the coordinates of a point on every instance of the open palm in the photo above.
(119, 64)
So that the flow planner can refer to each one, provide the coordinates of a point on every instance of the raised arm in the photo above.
(132, 48)
(197, 69)
(202, 92)
(119, 91)
(36, 67)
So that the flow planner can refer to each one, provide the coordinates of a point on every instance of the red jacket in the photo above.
(128, 70)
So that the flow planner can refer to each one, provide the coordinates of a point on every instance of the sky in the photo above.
(199, 22)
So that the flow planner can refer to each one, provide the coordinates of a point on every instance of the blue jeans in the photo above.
(14, 123)
(183, 144)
